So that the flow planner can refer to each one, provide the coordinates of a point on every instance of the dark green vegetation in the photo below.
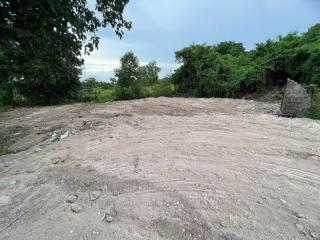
(4, 150)
(135, 81)
(227, 70)
(315, 109)
(131, 81)
(95, 91)
(41, 43)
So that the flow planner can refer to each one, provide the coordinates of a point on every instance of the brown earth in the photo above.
(159, 169)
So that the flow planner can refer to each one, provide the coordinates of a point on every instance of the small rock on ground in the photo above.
(72, 198)
(300, 215)
(94, 195)
(109, 219)
(76, 208)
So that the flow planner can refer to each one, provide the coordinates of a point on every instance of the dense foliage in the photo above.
(314, 112)
(227, 70)
(131, 81)
(41, 43)
(95, 91)
(127, 74)
(135, 81)
(149, 73)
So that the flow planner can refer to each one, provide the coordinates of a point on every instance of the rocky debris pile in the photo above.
(56, 136)
(296, 101)
(61, 135)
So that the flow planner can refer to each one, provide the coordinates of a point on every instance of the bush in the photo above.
(314, 112)
(162, 88)
(88, 95)
(90, 82)
(123, 93)
(105, 95)
(16, 99)
(254, 80)
(4, 150)
(227, 70)
(19, 100)
(98, 95)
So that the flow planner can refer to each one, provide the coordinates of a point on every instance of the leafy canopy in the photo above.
(41, 43)
(149, 73)
(228, 70)
(128, 72)
(132, 79)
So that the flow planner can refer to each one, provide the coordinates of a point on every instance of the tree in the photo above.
(230, 47)
(91, 82)
(128, 73)
(149, 73)
(134, 81)
(227, 70)
(41, 43)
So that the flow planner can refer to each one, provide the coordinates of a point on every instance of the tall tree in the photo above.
(149, 73)
(41, 42)
(128, 72)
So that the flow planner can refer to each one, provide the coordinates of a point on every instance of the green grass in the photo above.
(115, 93)
(104, 95)
(4, 150)
(160, 89)
(97, 95)
(314, 112)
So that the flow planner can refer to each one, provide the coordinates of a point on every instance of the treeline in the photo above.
(131, 81)
(228, 70)
(135, 81)
(40, 59)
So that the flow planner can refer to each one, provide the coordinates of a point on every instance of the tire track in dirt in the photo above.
(168, 169)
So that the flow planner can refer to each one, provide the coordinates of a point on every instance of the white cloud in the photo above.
(98, 65)
(104, 68)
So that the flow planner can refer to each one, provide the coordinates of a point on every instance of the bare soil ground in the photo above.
(159, 169)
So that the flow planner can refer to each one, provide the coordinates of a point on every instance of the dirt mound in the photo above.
(160, 169)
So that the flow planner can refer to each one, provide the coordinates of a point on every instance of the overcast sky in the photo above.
(161, 27)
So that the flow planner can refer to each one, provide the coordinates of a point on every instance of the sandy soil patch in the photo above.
(159, 169)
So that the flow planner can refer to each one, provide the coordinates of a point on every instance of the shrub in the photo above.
(4, 150)
(314, 112)
(227, 70)
(88, 95)
(19, 100)
(123, 93)
(162, 88)
(105, 95)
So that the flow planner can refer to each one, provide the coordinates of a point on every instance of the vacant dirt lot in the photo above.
(159, 169)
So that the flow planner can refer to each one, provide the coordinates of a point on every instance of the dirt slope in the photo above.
(160, 169)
